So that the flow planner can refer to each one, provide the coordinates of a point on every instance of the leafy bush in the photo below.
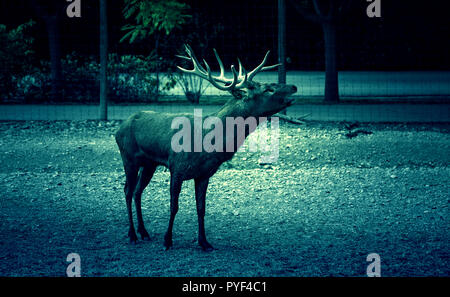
(149, 17)
(34, 86)
(130, 78)
(15, 57)
(136, 78)
(191, 85)
(81, 78)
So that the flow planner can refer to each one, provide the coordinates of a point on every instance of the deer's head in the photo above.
(260, 99)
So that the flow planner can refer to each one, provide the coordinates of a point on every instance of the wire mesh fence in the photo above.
(399, 57)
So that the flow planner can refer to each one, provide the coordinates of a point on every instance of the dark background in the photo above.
(410, 35)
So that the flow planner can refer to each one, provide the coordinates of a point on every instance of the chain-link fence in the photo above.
(401, 56)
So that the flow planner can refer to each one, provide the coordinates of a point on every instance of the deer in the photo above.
(144, 141)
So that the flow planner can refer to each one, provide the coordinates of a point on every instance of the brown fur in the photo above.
(144, 142)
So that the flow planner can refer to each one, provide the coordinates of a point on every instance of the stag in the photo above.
(144, 141)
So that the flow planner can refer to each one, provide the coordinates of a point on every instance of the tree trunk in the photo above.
(103, 112)
(54, 44)
(331, 72)
(282, 44)
(158, 66)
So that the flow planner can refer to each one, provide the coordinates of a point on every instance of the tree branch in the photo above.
(292, 120)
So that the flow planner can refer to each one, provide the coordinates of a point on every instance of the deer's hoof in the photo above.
(167, 246)
(133, 238)
(206, 247)
(167, 243)
(144, 235)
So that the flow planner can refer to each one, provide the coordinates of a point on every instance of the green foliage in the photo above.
(192, 86)
(152, 16)
(33, 86)
(131, 78)
(81, 78)
(15, 56)
(134, 78)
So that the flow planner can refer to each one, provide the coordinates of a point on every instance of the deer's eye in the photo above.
(269, 90)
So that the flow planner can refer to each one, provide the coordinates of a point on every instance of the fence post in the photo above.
(282, 43)
(103, 112)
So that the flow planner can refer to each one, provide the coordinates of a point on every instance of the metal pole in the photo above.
(282, 41)
(103, 112)
(282, 44)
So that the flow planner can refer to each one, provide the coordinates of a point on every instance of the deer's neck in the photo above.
(233, 109)
(228, 115)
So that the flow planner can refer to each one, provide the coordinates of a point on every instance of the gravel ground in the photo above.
(327, 203)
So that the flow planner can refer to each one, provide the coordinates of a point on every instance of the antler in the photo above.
(206, 73)
(238, 81)
(261, 67)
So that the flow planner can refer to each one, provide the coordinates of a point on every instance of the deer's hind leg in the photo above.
(131, 173)
(145, 175)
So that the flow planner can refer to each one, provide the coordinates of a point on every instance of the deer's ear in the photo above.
(238, 94)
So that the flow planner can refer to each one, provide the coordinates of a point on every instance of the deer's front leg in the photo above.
(200, 193)
(130, 184)
(175, 188)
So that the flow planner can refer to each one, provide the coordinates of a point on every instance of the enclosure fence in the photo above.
(378, 60)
